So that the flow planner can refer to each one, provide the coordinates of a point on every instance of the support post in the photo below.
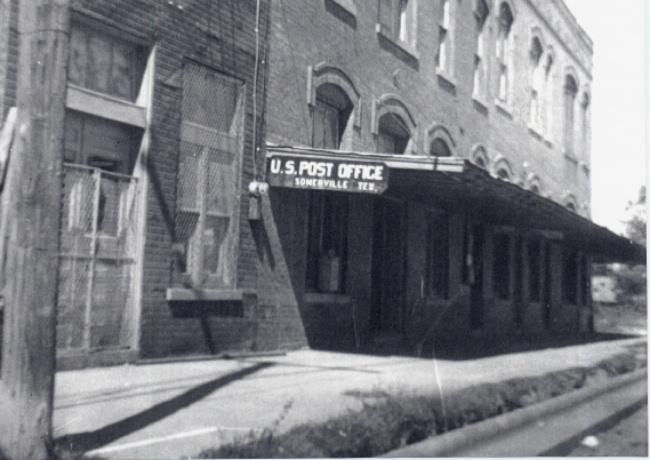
(28, 361)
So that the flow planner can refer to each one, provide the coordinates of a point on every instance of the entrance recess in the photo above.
(388, 267)
(476, 292)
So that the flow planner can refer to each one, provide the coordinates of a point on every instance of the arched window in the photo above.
(330, 117)
(481, 13)
(570, 91)
(439, 148)
(503, 173)
(536, 82)
(393, 135)
(479, 157)
(504, 50)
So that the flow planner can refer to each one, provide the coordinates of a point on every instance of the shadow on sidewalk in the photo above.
(485, 346)
(82, 442)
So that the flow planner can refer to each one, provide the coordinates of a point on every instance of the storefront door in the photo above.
(388, 267)
(476, 308)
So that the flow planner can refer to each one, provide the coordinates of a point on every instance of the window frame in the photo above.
(480, 76)
(191, 261)
(397, 22)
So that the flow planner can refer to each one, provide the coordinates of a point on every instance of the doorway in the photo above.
(476, 281)
(387, 309)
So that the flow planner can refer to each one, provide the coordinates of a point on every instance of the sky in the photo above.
(618, 152)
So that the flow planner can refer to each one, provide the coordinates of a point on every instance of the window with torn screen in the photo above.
(207, 221)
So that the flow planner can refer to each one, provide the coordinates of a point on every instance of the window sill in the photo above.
(190, 295)
(480, 101)
(444, 74)
(105, 106)
(570, 157)
(346, 5)
(535, 133)
(401, 46)
(327, 298)
(503, 107)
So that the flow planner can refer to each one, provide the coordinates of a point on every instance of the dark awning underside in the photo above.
(459, 186)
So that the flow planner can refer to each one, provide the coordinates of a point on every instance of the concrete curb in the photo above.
(530, 431)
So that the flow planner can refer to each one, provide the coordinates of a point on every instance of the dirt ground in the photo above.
(629, 438)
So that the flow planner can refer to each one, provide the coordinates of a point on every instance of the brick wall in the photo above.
(222, 37)
(313, 34)
(377, 69)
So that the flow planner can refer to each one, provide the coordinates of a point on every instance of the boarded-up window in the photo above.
(104, 63)
(208, 176)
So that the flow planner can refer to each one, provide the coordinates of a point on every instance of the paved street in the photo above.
(175, 409)
(628, 438)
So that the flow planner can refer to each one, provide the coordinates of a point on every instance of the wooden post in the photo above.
(28, 361)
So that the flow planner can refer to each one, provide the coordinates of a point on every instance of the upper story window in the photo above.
(548, 96)
(444, 56)
(480, 65)
(104, 63)
(504, 51)
(393, 135)
(536, 83)
(570, 92)
(397, 20)
(330, 117)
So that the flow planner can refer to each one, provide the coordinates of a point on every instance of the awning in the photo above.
(459, 186)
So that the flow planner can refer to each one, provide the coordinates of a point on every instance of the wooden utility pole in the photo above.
(34, 202)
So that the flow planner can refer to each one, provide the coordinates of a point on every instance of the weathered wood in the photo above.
(27, 378)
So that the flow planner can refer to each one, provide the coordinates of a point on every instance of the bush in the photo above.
(396, 421)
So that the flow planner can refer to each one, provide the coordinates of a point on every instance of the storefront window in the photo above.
(501, 268)
(438, 256)
(327, 251)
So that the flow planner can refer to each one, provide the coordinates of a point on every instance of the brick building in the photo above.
(449, 140)
(157, 255)
(479, 112)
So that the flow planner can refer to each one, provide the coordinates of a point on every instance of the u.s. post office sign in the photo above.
(323, 174)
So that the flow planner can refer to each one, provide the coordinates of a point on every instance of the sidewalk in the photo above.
(178, 409)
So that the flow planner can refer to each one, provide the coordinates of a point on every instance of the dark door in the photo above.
(388, 267)
(518, 294)
(476, 280)
(548, 283)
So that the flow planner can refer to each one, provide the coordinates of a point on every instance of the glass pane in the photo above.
(78, 57)
(215, 252)
(188, 177)
(99, 64)
(221, 188)
(209, 99)
(122, 72)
